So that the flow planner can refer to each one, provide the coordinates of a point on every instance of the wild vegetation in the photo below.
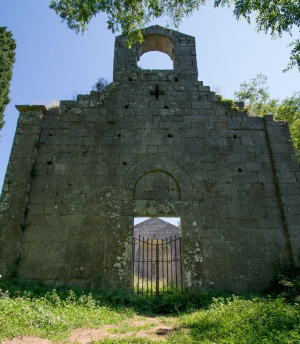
(62, 314)
(258, 102)
(7, 59)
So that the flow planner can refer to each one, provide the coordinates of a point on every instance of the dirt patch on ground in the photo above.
(27, 340)
(138, 323)
(157, 331)
(84, 336)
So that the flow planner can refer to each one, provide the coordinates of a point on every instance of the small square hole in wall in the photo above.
(126, 106)
(176, 78)
(166, 106)
(170, 135)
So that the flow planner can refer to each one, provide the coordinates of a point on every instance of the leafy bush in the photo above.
(7, 60)
(229, 103)
(286, 282)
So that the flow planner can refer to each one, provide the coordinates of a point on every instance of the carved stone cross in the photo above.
(157, 93)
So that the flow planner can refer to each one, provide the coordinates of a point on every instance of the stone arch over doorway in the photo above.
(160, 168)
(157, 185)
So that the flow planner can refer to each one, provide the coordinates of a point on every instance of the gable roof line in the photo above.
(155, 219)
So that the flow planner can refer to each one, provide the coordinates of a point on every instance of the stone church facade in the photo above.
(154, 143)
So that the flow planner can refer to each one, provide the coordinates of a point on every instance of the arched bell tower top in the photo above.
(180, 47)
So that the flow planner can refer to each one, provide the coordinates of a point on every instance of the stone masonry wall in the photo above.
(78, 175)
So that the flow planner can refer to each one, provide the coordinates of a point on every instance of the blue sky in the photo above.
(53, 62)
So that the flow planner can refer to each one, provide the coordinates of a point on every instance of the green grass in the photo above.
(130, 340)
(240, 321)
(53, 316)
(198, 317)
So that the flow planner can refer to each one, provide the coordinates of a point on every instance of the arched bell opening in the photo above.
(157, 43)
(155, 60)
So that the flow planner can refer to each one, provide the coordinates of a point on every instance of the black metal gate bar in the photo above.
(180, 264)
(147, 269)
(151, 262)
(157, 268)
(176, 263)
(165, 265)
(133, 262)
(139, 248)
(143, 268)
(172, 281)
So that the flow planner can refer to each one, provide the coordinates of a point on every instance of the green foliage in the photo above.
(255, 95)
(131, 16)
(131, 340)
(237, 320)
(295, 55)
(7, 59)
(37, 310)
(287, 282)
(229, 103)
(259, 103)
(289, 111)
(166, 303)
(49, 313)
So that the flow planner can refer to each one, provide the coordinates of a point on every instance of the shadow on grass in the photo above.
(175, 302)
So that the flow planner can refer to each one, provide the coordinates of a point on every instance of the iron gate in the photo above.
(157, 265)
